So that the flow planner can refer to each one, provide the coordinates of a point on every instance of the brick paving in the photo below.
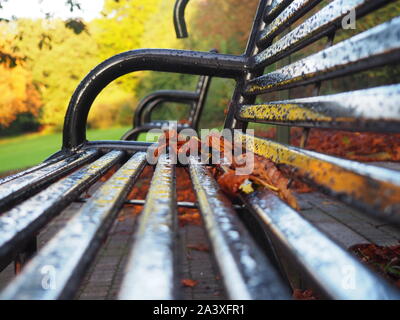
(345, 225)
(103, 279)
(199, 266)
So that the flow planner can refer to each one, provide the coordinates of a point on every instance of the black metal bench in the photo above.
(30, 199)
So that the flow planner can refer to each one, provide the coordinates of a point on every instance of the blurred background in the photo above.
(48, 46)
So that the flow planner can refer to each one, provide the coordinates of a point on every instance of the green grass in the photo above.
(28, 150)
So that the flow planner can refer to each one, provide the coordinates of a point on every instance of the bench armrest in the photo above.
(167, 60)
(150, 102)
(179, 19)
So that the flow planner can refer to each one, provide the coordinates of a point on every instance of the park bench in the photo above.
(250, 268)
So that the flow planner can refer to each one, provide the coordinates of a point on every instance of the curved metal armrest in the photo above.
(167, 60)
(147, 104)
(179, 19)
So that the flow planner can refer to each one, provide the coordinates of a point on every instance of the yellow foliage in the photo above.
(18, 94)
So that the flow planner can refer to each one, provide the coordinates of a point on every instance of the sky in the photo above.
(38, 8)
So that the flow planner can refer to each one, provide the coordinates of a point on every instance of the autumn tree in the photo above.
(19, 94)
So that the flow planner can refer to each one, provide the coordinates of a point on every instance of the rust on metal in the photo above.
(280, 112)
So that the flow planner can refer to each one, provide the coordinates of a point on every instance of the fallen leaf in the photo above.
(198, 247)
(189, 283)
(189, 218)
(246, 187)
(303, 294)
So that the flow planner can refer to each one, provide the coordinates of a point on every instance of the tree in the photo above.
(11, 58)
(19, 95)
(57, 66)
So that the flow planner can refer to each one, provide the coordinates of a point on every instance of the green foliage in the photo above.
(57, 65)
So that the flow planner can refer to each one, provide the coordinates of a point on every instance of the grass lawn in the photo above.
(28, 150)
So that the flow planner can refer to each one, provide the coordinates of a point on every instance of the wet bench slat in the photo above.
(151, 272)
(375, 109)
(25, 185)
(369, 188)
(68, 254)
(336, 273)
(324, 22)
(247, 274)
(275, 9)
(24, 220)
(293, 12)
(375, 47)
(32, 169)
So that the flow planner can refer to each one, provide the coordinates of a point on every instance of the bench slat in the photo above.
(24, 220)
(150, 271)
(246, 272)
(70, 252)
(366, 187)
(375, 109)
(274, 10)
(292, 13)
(336, 273)
(32, 169)
(319, 25)
(375, 47)
(25, 185)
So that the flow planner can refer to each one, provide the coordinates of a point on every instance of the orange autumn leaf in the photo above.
(230, 183)
(198, 247)
(189, 283)
(189, 218)
(265, 173)
(303, 294)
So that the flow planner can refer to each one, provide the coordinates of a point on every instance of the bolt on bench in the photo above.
(28, 200)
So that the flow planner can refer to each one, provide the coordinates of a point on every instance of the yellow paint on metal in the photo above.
(254, 88)
(281, 112)
(286, 112)
(380, 195)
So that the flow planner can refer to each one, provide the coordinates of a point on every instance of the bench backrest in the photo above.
(366, 187)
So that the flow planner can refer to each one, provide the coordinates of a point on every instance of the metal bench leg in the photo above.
(24, 256)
